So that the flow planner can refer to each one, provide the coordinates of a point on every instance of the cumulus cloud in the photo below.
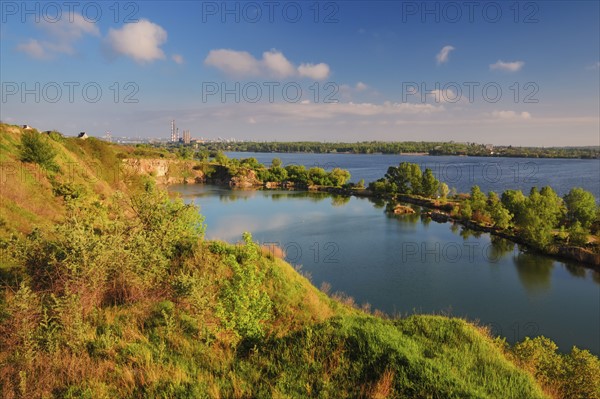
(177, 58)
(511, 115)
(318, 72)
(34, 49)
(140, 41)
(444, 54)
(276, 63)
(360, 86)
(59, 37)
(507, 66)
(237, 63)
(272, 64)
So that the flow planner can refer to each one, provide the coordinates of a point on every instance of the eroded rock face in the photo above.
(157, 167)
(167, 171)
(246, 181)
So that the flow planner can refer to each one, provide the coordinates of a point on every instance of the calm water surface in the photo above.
(405, 264)
(491, 174)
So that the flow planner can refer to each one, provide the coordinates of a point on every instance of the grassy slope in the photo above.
(27, 199)
(160, 347)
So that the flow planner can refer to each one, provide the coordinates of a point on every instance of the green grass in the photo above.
(119, 295)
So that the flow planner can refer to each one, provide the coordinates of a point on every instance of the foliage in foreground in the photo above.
(124, 298)
(129, 301)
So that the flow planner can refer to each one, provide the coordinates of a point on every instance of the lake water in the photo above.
(402, 265)
(491, 174)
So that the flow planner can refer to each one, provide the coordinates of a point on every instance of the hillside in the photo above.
(110, 290)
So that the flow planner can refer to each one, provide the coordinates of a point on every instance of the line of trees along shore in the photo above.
(430, 148)
(541, 218)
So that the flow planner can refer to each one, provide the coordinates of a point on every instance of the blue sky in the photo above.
(328, 70)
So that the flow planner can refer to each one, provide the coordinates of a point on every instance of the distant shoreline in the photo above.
(419, 154)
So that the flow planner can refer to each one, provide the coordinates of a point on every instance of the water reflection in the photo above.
(339, 200)
(576, 270)
(466, 233)
(399, 262)
(499, 248)
(534, 271)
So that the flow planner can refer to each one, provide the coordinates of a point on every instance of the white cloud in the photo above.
(511, 115)
(507, 66)
(272, 64)
(360, 86)
(318, 72)
(444, 54)
(34, 49)
(238, 63)
(276, 63)
(59, 37)
(70, 29)
(177, 58)
(443, 96)
(140, 41)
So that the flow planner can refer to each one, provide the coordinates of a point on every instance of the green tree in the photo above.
(581, 206)
(278, 173)
(221, 158)
(297, 174)
(516, 204)
(582, 375)
(276, 162)
(578, 235)
(339, 177)
(406, 178)
(318, 176)
(499, 214)
(36, 148)
(429, 184)
(466, 212)
(443, 191)
(202, 155)
(535, 228)
(477, 199)
(185, 153)
(552, 206)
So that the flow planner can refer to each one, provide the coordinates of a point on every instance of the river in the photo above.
(406, 264)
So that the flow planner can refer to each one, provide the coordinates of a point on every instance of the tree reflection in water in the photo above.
(534, 271)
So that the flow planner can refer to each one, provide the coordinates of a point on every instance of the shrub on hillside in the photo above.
(36, 148)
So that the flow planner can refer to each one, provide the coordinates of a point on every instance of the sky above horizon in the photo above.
(501, 72)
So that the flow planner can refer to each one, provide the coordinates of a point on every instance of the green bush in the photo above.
(244, 306)
(36, 148)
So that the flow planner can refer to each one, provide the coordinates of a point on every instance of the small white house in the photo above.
(82, 135)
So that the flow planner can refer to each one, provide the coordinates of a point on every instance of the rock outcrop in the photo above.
(167, 171)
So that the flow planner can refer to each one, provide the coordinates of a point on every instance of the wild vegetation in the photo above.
(542, 219)
(112, 291)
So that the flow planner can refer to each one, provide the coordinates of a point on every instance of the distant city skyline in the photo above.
(505, 73)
